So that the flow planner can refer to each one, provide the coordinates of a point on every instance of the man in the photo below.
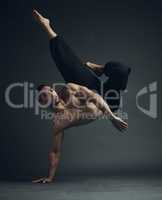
(75, 103)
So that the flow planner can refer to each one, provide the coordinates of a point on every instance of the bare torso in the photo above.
(77, 106)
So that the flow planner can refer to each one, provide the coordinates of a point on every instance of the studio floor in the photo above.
(85, 188)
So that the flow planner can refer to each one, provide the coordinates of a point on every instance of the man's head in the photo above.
(47, 95)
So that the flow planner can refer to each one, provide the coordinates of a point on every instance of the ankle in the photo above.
(51, 34)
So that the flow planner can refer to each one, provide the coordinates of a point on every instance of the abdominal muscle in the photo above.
(82, 118)
(76, 113)
(75, 117)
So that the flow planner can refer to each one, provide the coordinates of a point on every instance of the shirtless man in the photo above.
(71, 105)
(74, 104)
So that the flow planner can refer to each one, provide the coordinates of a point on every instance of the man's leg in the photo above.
(54, 159)
(68, 63)
(45, 24)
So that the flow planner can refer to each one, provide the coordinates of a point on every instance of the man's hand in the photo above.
(43, 180)
(119, 123)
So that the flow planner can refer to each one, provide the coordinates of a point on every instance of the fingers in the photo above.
(42, 180)
(46, 181)
(123, 126)
(38, 180)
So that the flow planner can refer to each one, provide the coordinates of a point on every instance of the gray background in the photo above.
(98, 31)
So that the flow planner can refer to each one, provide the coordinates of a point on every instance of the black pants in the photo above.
(70, 66)
(74, 70)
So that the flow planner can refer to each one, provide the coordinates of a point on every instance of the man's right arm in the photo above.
(54, 159)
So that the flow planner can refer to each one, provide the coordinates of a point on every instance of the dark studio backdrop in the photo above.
(99, 31)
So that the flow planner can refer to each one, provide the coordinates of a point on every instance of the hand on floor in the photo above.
(43, 180)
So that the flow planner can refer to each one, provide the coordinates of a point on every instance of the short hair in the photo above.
(40, 87)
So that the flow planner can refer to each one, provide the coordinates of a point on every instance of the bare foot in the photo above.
(119, 124)
(44, 22)
(98, 69)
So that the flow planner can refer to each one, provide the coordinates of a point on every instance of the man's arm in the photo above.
(55, 154)
(100, 105)
(54, 158)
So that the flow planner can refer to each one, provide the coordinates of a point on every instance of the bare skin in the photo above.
(45, 24)
(98, 69)
(73, 104)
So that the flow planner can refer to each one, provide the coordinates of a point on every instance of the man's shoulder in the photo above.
(72, 86)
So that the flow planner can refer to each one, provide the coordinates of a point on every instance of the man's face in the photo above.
(47, 96)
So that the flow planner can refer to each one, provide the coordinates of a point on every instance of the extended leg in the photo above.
(45, 24)
(68, 63)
